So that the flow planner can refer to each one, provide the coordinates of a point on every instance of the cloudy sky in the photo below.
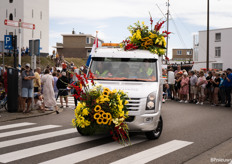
(112, 17)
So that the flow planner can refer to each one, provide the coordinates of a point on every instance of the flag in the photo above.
(95, 45)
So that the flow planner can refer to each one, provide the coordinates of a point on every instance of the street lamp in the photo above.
(207, 51)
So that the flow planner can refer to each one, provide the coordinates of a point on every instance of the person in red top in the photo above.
(64, 67)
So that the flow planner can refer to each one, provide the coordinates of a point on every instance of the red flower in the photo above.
(158, 25)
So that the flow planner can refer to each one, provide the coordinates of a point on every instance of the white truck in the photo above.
(139, 74)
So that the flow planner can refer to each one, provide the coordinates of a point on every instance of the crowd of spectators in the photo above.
(199, 86)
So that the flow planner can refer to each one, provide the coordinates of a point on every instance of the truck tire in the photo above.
(155, 134)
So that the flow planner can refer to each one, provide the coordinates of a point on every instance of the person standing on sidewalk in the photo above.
(62, 84)
(37, 80)
(228, 86)
(48, 90)
(27, 87)
(193, 88)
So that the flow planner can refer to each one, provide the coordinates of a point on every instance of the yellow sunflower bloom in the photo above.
(109, 116)
(96, 116)
(101, 112)
(105, 115)
(99, 121)
(97, 108)
(106, 90)
(105, 121)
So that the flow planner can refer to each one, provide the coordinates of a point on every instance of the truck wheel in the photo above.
(155, 134)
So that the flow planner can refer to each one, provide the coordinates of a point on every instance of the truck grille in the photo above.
(133, 104)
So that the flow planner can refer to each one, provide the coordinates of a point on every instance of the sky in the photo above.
(112, 17)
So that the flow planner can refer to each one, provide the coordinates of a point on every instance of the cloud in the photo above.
(193, 11)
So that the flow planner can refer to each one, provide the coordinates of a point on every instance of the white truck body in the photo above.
(138, 90)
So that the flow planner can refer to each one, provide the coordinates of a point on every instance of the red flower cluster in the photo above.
(118, 133)
(151, 20)
(159, 25)
(167, 33)
(91, 76)
(131, 46)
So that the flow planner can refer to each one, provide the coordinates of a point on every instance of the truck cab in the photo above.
(139, 74)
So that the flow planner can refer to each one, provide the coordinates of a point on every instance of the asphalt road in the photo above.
(191, 134)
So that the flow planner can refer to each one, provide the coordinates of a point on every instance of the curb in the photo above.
(23, 116)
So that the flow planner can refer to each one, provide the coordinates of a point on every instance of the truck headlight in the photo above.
(151, 101)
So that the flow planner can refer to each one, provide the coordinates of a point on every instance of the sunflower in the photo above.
(97, 108)
(109, 116)
(99, 121)
(105, 115)
(101, 112)
(96, 116)
(105, 121)
(106, 91)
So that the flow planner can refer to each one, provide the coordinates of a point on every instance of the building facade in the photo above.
(29, 11)
(182, 54)
(76, 45)
(219, 49)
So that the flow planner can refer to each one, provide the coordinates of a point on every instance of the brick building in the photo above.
(182, 54)
(76, 45)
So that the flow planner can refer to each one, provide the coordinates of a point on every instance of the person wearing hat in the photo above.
(228, 86)
(27, 87)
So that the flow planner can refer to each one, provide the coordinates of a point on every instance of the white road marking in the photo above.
(20, 154)
(70, 101)
(36, 137)
(153, 153)
(15, 125)
(89, 153)
(28, 130)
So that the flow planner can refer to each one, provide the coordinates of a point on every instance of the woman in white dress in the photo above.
(48, 91)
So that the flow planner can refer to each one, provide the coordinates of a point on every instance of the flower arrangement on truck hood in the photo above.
(143, 38)
(101, 109)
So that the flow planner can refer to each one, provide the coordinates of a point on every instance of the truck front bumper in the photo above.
(144, 122)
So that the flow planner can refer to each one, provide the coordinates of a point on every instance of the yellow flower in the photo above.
(105, 115)
(99, 121)
(142, 22)
(105, 121)
(106, 93)
(101, 112)
(114, 91)
(106, 90)
(96, 116)
(138, 35)
(109, 116)
(74, 122)
(152, 35)
(157, 41)
(126, 102)
(97, 108)
(85, 112)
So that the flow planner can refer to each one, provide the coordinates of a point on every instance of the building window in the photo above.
(15, 12)
(32, 13)
(41, 15)
(11, 16)
(189, 52)
(179, 52)
(217, 52)
(6, 13)
(11, 1)
(217, 66)
(87, 40)
(217, 37)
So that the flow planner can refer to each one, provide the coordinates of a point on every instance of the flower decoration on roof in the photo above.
(143, 38)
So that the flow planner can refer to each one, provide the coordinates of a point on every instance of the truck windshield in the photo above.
(128, 69)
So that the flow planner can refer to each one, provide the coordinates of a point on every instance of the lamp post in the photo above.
(207, 49)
